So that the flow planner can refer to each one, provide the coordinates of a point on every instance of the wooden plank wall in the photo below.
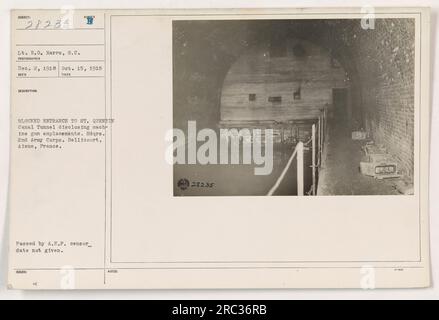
(256, 73)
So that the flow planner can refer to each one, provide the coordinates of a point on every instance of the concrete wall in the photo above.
(258, 73)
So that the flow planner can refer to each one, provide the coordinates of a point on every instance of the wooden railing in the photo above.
(317, 143)
(298, 151)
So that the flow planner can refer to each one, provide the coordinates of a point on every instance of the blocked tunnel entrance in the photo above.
(286, 76)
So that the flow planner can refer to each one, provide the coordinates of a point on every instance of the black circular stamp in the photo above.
(183, 184)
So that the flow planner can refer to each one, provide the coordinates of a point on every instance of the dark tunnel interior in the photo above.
(365, 77)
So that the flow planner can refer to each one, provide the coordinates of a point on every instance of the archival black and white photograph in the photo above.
(216, 149)
(306, 107)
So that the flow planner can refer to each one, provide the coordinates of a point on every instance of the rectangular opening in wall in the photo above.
(252, 97)
(297, 94)
(339, 102)
(275, 99)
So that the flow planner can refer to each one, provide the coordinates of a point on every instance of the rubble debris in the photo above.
(359, 135)
(404, 187)
(378, 163)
